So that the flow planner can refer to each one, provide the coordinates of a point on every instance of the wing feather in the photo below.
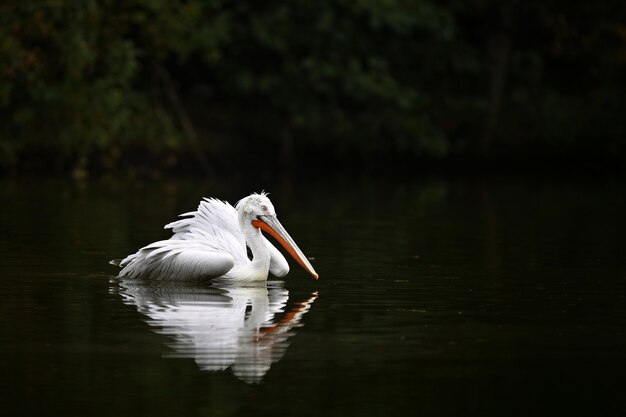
(211, 213)
(176, 260)
(205, 243)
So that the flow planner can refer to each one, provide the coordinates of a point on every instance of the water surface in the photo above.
(436, 297)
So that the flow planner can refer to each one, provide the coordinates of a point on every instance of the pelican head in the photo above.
(258, 211)
(254, 205)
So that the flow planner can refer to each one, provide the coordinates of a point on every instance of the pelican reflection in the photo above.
(246, 329)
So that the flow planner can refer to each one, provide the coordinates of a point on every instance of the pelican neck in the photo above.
(254, 240)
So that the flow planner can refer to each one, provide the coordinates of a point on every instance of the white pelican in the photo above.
(211, 242)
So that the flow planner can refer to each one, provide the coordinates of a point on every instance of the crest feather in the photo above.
(253, 196)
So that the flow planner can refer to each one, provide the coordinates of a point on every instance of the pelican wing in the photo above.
(176, 259)
(205, 243)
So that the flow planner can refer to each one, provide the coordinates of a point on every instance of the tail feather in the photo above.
(115, 262)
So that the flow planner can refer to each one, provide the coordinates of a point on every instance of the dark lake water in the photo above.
(436, 297)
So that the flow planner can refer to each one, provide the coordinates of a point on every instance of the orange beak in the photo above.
(271, 225)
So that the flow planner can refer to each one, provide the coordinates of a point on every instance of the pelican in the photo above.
(212, 242)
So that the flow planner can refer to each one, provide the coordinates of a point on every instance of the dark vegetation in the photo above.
(103, 85)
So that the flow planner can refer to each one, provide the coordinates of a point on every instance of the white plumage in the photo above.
(212, 242)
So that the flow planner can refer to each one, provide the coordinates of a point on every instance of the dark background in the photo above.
(149, 87)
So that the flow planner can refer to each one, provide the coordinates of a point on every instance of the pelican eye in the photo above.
(264, 208)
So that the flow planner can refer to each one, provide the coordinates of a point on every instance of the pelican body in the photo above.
(212, 242)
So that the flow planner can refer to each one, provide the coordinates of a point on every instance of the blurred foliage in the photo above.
(99, 83)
